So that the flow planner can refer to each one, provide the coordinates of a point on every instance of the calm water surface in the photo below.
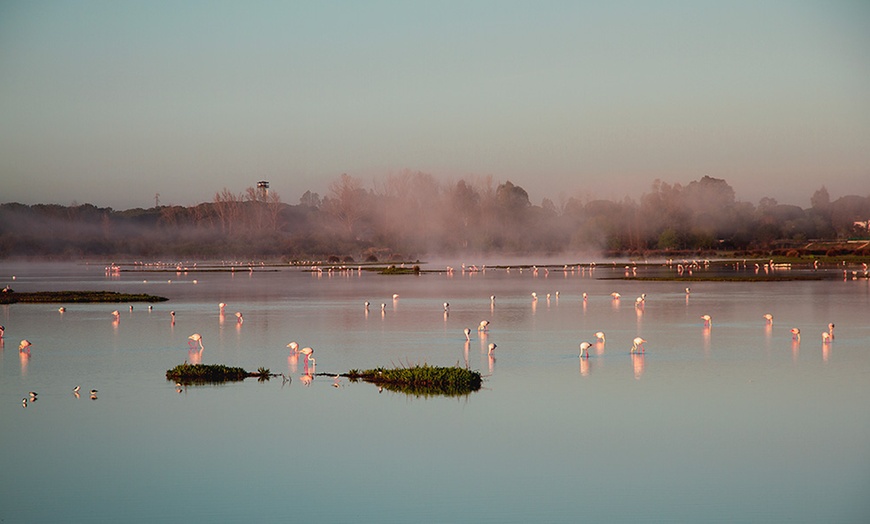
(736, 423)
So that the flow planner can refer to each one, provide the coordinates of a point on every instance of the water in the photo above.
(732, 424)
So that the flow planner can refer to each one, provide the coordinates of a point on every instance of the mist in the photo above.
(411, 215)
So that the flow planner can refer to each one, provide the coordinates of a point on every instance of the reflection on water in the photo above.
(728, 412)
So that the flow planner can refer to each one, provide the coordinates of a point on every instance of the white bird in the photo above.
(484, 325)
(768, 317)
(446, 306)
(24, 345)
(584, 349)
(826, 337)
(61, 309)
(240, 317)
(492, 347)
(638, 345)
(195, 339)
(293, 347)
(467, 333)
(600, 336)
(615, 295)
(796, 334)
(708, 322)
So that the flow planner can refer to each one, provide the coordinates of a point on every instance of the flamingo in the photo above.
(585, 297)
(240, 317)
(492, 299)
(484, 325)
(293, 347)
(76, 389)
(600, 336)
(24, 345)
(307, 352)
(383, 307)
(492, 347)
(534, 296)
(195, 339)
(221, 307)
(584, 349)
(831, 330)
(116, 314)
(768, 317)
(61, 309)
(688, 291)
(638, 345)
(367, 305)
(826, 337)
(796, 334)
(395, 296)
(708, 322)
(467, 333)
(2, 330)
(446, 307)
(615, 295)
(172, 316)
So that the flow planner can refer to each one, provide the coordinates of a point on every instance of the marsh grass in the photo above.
(212, 373)
(422, 380)
(42, 297)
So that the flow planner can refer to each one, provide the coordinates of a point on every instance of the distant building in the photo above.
(263, 188)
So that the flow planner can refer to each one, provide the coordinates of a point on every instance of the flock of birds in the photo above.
(195, 341)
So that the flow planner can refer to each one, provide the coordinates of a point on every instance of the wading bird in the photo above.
(584, 349)
(195, 339)
(492, 347)
(768, 317)
(708, 322)
(826, 337)
(796, 334)
(638, 345)
(294, 347)
(467, 332)
(240, 317)
(484, 325)
(600, 336)
(24, 346)
(831, 330)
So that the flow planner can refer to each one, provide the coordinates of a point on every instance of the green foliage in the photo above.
(422, 380)
(212, 373)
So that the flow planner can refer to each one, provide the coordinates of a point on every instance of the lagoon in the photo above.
(735, 423)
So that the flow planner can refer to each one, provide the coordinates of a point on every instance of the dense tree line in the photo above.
(415, 215)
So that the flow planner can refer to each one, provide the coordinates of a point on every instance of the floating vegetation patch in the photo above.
(43, 297)
(212, 373)
(393, 270)
(422, 380)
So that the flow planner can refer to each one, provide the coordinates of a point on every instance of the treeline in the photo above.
(412, 215)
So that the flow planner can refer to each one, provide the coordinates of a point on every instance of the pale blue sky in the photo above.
(110, 102)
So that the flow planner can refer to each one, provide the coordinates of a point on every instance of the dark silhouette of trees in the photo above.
(411, 214)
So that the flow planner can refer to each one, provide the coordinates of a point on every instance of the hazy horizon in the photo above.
(111, 103)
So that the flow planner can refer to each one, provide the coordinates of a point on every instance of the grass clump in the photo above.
(204, 373)
(422, 380)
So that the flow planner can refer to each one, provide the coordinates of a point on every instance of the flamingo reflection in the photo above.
(584, 367)
(638, 364)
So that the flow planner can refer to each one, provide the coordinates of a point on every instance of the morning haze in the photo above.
(112, 104)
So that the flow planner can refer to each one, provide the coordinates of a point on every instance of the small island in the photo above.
(212, 373)
(422, 380)
(81, 297)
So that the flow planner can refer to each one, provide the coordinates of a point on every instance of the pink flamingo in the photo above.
(294, 347)
(24, 346)
(826, 337)
(708, 322)
(492, 347)
(195, 339)
(2, 331)
(484, 325)
(638, 345)
(584, 349)
(600, 336)
(796, 334)
(768, 317)
(467, 333)
(831, 330)
(240, 317)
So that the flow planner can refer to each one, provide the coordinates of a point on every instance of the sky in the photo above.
(112, 102)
